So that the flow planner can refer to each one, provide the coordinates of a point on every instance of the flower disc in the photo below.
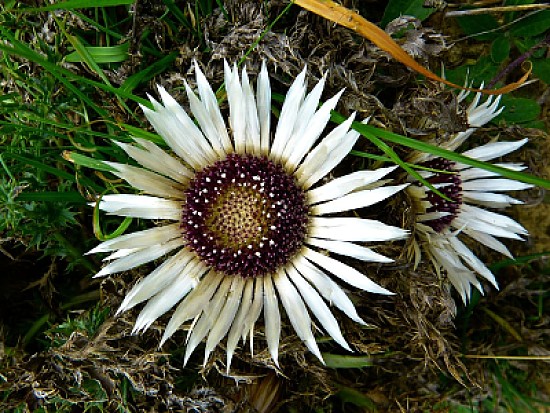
(244, 216)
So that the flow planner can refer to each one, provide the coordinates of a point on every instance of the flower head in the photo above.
(244, 223)
(440, 221)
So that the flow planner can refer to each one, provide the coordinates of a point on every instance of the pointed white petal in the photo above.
(157, 280)
(494, 185)
(489, 199)
(296, 150)
(237, 108)
(475, 173)
(140, 239)
(194, 304)
(272, 319)
(207, 319)
(254, 313)
(237, 327)
(332, 150)
(327, 288)
(357, 200)
(140, 206)
(488, 241)
(473, 262)
(139, 257)
(296, 312)
(252, 130)
(263, 98)
(345, 272)
(210, 102)
(188, 137)
(349, 249)
(169, 296)
(354, 229)
(147, 181)
(345, 184)
(170, 128)
(304, 117)
(494, 150)
(462, 223)
(227, 316)
(471, 213)
(461, 277)
(289, 115)
(318, 307)
(154, 158)
(207, 138)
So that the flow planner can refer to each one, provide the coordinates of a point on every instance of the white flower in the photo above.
(246, 225)
(439, 222)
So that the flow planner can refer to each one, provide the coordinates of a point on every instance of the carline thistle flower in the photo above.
(439, 222)
(245, 222)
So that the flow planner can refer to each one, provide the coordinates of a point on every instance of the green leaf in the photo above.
(518, 110)
(484, 70)
(541, 69)
(111, 54)
(355, 397)
(87, 162)
(532, 25)
(336, 361)
(52, 196)
(500, 49)
(453, 156)
(79, 4)
(148, 73)
(478, 25)
(396, 8)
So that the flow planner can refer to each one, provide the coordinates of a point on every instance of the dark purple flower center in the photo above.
(450, 185)
(244, 216)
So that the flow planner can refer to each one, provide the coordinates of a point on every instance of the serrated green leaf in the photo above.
(396, 8)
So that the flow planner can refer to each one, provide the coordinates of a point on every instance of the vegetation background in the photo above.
(71, 77)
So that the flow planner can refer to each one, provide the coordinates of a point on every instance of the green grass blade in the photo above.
(105, 54)
(87, 162)
(453, 156)
(40, 166)
(52, 196)
(78, 4)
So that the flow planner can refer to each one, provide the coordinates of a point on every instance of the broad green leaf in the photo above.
(541, 69)
(518, 110)
(477, 25)
(500, 49)
(111, 54)
(532, 25)
(396, 8)
(484, 70)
